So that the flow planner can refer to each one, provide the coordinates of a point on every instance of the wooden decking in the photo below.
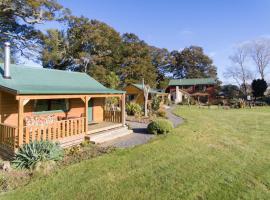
(102, 126)
(93, 128)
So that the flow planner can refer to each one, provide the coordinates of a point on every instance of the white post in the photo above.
(178, 97)
(7, 61)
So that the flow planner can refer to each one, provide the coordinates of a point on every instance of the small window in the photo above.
(51, 105)
(130, 97)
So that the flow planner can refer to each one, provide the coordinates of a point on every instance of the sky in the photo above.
(216, 25)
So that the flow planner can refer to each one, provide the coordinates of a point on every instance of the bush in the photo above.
(160, 126)
(155, 103)
(31, 154)
(161, 113)
(133, 109)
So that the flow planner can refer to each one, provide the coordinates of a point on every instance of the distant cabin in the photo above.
(202, 89)
(134, 93)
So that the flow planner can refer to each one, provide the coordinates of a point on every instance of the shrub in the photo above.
(160, 126)
(161, 113)
(133, 109)
(30, 154)
(155, 103)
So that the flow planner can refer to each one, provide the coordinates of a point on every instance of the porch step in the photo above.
(72, 141)
(108, 135)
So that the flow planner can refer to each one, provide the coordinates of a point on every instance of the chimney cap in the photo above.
(7, 43)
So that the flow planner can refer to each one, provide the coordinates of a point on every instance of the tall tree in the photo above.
(55, 50)
(260, 54)
(239, 71)
(89, 46)
(191, 62)
(161, 60)
(18, 19)
(137, 63)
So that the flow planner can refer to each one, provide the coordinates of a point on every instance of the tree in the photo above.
(260, 54)
(239, 71)
(230, 91)
(88, 46)
(18, 19)
(112, 80)
(259, 86)
(191, 62)
(137, 63)
(161, 60)
(55, 50)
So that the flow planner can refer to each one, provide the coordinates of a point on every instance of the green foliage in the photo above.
(87, 45)
(54, 54)
(160, 126)
(230, 91)
(18, 19)
(133, 109)
(30, 154)
(112, 80)
(192, 63)
(137, 62)
(161, 113)
(259, 86)
(155, 104)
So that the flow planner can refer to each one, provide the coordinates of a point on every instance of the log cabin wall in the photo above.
(139, 96)
(98, 109)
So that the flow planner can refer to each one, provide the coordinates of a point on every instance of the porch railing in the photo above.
(112, 116)
(54, 131)
(8, 136)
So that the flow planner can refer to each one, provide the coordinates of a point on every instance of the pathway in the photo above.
(140, 135)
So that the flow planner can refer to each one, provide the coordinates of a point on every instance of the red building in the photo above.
(203, 88)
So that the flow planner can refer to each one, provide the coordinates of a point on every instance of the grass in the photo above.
(215, 154)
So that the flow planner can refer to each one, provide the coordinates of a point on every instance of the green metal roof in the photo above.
(193, 81)
(153, 91)
(36, 80)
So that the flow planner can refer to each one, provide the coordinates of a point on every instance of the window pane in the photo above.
(51, 105)
(59, 104)
(42, 105)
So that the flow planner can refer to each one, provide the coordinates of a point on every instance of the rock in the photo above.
(5, 166)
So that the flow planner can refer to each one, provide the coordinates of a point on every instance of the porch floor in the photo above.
(95, 127)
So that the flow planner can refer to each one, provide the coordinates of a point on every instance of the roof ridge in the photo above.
(42, 68)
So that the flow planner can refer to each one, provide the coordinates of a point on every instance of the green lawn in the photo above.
(215, 154)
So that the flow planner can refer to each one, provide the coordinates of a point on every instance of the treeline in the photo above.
(94, 47)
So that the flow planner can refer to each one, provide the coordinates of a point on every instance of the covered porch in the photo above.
(86, 114)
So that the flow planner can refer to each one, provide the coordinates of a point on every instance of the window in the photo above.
(51, 105)
(130, 97)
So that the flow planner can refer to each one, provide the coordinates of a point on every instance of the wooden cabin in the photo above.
(45, 104)
(199, 88)
(134, 93)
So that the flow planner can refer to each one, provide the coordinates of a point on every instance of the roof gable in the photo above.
(35, 80)
(194, 81)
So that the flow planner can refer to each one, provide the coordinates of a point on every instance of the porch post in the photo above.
(123, 109)
(86, 99)
(20, 122)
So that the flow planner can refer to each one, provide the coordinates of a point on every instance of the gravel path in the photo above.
(140, 135)
(173, 118)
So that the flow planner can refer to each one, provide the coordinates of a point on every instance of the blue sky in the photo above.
(215, 25)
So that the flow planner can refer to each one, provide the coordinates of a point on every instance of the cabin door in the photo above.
(90, 110)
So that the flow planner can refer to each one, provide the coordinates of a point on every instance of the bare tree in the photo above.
(260, 54)
(239, 71)
(146, 89)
